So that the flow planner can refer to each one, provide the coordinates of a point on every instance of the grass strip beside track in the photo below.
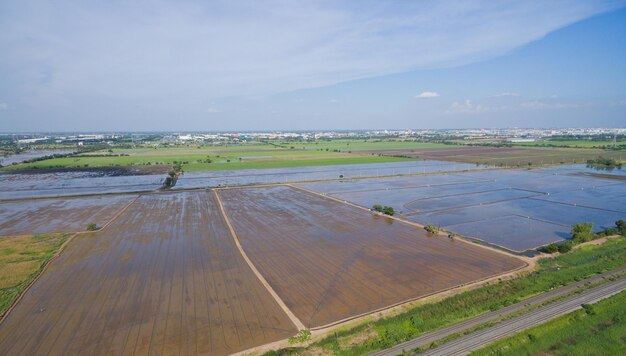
(596, 329)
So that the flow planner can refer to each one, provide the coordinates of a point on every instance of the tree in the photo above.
(377, 207)
(92, 227)
(582, 232)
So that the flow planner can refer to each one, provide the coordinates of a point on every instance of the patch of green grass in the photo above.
(551, 273)
(598, 329)
(361, 145)
(21, 261)
(218, 161)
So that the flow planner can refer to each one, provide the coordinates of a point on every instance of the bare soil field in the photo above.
(30, 217)
(509, 156)
(164, 278)
(329, 261)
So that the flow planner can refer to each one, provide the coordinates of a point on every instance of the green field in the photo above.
(600, 329)
(21, 259)
(361, 145)
(551, 273)
(197, 159)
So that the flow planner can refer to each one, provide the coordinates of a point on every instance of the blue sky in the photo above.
(291, 65)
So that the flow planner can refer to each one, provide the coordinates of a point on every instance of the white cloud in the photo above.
(213, 110)
(4, 106)
(190, 51)
(427, 95)
(506, 94)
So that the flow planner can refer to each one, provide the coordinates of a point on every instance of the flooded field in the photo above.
(30, 217)
(39, 185)
(164, 278)
(25, 156)
(329, 261)
(287, 175)
(516, 209)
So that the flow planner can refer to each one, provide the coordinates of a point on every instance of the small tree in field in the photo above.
(92, 227)
(378, 208)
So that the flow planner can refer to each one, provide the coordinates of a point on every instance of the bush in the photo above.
(388, 210)
(92, 227)
(566, 247)
(621, 227)
(431, 228)
(301, 336)
(377, 207)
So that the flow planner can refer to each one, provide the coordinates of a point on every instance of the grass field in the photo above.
(599, 329)
(552, 273)
(21, 259)
(197, 160)
(361, 145)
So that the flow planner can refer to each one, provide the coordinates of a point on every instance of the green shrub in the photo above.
(92, 227)
(431, 228)
(551, 248)
(566, 247)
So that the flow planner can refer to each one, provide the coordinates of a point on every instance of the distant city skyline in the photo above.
(262, 66)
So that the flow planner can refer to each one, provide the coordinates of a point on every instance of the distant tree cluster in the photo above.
(604, 163)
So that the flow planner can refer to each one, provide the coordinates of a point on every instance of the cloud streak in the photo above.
(427, 95)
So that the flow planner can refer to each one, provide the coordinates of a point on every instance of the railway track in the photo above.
(429, 338)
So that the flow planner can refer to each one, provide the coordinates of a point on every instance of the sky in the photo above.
(310, 65)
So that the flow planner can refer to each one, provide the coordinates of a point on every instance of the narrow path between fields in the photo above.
(267, 286)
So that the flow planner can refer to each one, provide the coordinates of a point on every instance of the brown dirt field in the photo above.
(510, 156)
(58, 215)
(164, 278)
(329, 261)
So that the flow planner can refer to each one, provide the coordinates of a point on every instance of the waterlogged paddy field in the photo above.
(39, 185)
(58, 215)
(286, 175)
(516, 209)
(330, 261)
(163, 278)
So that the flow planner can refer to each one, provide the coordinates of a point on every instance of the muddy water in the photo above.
(329, 261)
(58, 215)
(164, 278)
